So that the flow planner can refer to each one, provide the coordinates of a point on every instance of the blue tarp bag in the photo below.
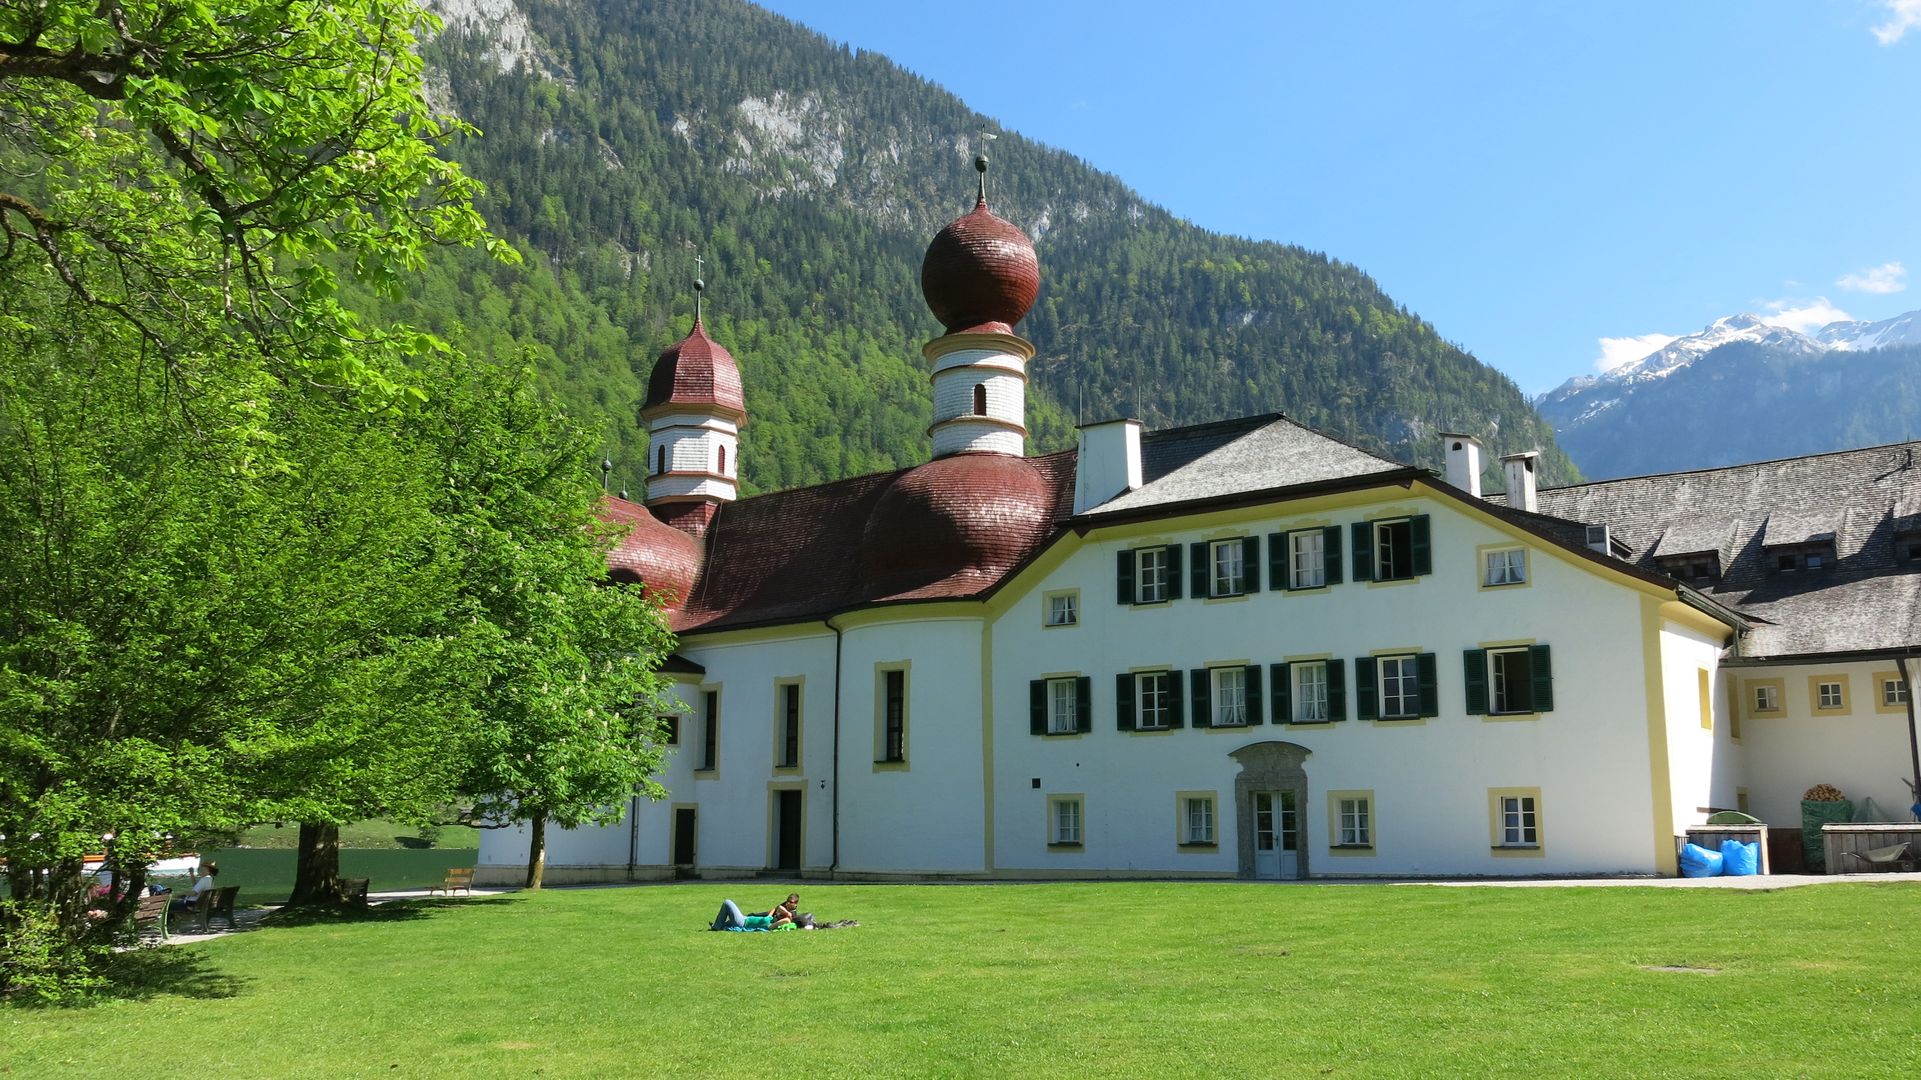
(1740, 859)
(1697, 861)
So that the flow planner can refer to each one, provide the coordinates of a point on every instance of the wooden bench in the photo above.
(153, 909)
(457, 878)
(215, 904)
(354, 890)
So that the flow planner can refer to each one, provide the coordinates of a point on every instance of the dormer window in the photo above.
(1907, 546)
(1698, 568)
(1803, 558)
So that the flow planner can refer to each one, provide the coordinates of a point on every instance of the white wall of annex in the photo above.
(926, 817)
(1702, 772)
(1863, 751)
(1431, 779)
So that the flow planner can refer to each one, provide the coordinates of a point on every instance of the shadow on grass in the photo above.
(388, 911)
(153, 971)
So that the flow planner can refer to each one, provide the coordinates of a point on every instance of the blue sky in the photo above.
(1553, 185)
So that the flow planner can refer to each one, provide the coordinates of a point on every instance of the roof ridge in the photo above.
(1905, 443)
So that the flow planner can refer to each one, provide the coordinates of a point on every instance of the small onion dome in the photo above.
(697, 372)
(980, 274)
(964, 520)
(652, 554)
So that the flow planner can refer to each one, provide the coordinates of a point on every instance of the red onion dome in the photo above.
(698, 372)
(966, 519)
(980, 273)
(653, 553)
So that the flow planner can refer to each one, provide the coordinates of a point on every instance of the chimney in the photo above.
(1463, 456)
(1520, 480)
(1109, 462)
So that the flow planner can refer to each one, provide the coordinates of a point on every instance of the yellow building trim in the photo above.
(1880, 686)
(1047, 824)
(1307, 658)
(1265, 516)
(1047, 609)
(1695, 619)
(773, 831)
(1705, 684)
(987, 749)
(1180, 821)
(1334, 845)
(1754, 711)
(1496, 827)
(1814, 695)
(1733, 688)
(1480, 567)
(881, 670)
(1660, 771)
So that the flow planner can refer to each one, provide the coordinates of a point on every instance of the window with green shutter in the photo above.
(1280, 686)
(1251, 688)
(1515, 681)
(1474, 670)
(1336, 690)
(1124, 701)
(1397, 549)
(1201, 685)
(1428, 679)
(1366, 694)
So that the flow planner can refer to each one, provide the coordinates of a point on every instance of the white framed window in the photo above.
(1150, 575)
(1507, 566)
(1064, 813)
(1828, 695)
(1197, 812)
(1230, 695)
(1063, 718)
(1154, 701)
(1306, 559)
(1228, 576)
(1894, 692)
(1510, 681)
(1767, 698)
(1354, 826)
(1064, 609)
(1520, 821)
(1400, 687)
(1310, 691)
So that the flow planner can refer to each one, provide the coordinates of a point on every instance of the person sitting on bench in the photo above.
(208, 871)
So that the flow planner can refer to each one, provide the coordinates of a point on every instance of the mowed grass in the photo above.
(1108, 979)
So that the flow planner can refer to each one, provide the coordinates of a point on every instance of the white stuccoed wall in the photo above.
(693, 444)
(1863, 751)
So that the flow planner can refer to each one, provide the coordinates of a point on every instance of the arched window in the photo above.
(980, 399)
(723, 461)
(660, 460)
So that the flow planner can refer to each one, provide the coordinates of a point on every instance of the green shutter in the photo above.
(1203, 691)
(1337, 690)
(1331, 554)
(1084, 704)
(1124, 577)
(1542, 670)
(1173, 571)
(1176, 703)
(1366, 698)
(1363, 550)
(1124, 702)
(1474, 666)
(1276, 561)
(1281, 695)
(1253, 693)
(1421, 545)
(1251, 564)
(1037, 706)
(1199, 567)
(1429, 682)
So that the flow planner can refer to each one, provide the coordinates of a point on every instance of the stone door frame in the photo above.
(1270, 766)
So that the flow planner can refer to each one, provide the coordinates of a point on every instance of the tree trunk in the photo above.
(316, 880)
(537, 850)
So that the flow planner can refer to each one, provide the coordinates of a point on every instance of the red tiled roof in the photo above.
(980, 272)
(696, 371)
(652, 553)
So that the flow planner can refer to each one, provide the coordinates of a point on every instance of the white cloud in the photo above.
(1802, 316)
(1881, 280)
(1903, 16)
(1618, 352)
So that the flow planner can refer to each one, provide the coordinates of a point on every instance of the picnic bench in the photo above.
(457, 878)
(354, 890)
(215, 904)
(153, 909)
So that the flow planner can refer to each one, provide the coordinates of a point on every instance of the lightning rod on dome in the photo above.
(980, 166)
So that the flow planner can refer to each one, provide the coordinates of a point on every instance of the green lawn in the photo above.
(1131, 980)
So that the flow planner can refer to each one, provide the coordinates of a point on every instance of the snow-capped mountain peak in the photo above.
(1855, 336)
(1725, 330)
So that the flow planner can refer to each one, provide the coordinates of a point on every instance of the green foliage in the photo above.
(41, 960)
(809, 177)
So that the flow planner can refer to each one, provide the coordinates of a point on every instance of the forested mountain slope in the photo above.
(624, 140)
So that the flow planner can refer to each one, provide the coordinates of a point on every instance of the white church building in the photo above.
(1236, 649)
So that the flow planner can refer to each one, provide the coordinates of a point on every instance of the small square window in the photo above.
(1354, 826)
(1894, 692)
(1230, 696)
(1064, 821)
(1064, 609)
(1150, 575)
(1828, 695)
(1520, 824)
(670, 730)
(1199, 820)
(1063, 717)
(1154, 700)
(1306, 559)
(1310, 691)
(1767, 699)
(1400, 687)
(1508, 567)
(1227, 576)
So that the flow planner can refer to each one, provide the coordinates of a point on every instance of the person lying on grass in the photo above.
(783, 915)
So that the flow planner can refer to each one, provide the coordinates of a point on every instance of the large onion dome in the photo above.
(695, 372)
(980, 273)
(965, 520)
(654, 554)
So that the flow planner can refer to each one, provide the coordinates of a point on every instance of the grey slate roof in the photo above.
(1270, 452)
(1861, 499)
